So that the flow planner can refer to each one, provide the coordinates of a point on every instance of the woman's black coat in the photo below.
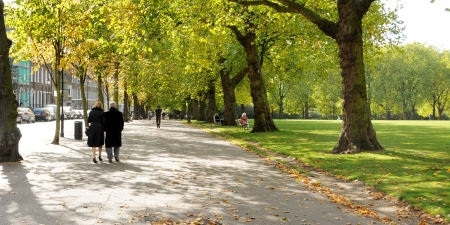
(113, 123)
(96, 135)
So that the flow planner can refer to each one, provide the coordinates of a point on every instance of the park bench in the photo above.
(218, 122)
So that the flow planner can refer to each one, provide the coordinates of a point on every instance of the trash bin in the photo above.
(78, 130)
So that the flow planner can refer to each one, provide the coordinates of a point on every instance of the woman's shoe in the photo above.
(100, 158)
(95, 161)
(117, 159)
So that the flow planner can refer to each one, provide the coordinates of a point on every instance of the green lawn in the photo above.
(415, 165)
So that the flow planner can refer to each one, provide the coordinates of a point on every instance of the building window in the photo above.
(69, 87)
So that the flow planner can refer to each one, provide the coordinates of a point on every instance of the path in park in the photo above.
(177, 172)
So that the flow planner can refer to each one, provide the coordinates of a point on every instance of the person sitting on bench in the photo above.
(244, 121)
(217, 119)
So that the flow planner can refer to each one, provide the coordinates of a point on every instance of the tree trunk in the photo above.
(116, 83)
(212, 107)
(229, 100)
(82, 74)
(100, 90)
(229, 96)
(125, 104)
(190, 108)
(434, 107)
(202, 109)
(357, 132)
(263, 121)
(136, 107)
(306, 113)
(9, 132)
(405, 113)
(106, 91)
(440, 112)
(281, 101)
(183, 108)
(58, 75)
(413, 110)
(195, 111)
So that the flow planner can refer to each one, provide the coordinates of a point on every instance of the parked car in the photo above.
(19, 116)
(79, 113)
(27, 115)
(63, 114)
(52, 112)
(70, 114)
(42, 114)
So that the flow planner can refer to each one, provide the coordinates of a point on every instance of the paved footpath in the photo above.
(177, 172)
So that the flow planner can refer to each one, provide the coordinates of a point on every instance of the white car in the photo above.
(27, 115)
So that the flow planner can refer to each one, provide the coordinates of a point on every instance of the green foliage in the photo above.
(413, 77)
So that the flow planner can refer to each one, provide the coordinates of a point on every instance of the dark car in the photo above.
(42, 114)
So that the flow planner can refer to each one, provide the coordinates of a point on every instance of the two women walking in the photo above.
(110, 122)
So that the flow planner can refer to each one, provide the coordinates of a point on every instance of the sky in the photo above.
(426, 22)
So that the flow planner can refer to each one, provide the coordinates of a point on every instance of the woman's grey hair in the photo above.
(112, 105)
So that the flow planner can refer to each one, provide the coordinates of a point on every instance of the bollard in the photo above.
(78, 130)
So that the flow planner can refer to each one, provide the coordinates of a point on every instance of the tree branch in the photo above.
(236, 79)
(238, 34)
(328, 27)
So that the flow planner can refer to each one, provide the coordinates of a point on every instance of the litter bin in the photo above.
(78, 130)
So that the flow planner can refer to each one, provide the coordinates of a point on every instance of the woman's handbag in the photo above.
(86, 131)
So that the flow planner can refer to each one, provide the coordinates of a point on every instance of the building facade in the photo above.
(36, 90)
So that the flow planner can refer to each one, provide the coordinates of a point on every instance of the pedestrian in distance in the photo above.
(158, 116)
(113, 124)
(95, 133)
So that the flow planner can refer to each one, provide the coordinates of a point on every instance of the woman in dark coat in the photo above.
(113, 124)
(96, 136)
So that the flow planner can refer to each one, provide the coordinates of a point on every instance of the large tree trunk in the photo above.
(9, 132)
(229, 100)
(263, 121)
(212, 107)
(357, 130)
(229, 97)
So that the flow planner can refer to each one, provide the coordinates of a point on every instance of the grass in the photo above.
(415, 165)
